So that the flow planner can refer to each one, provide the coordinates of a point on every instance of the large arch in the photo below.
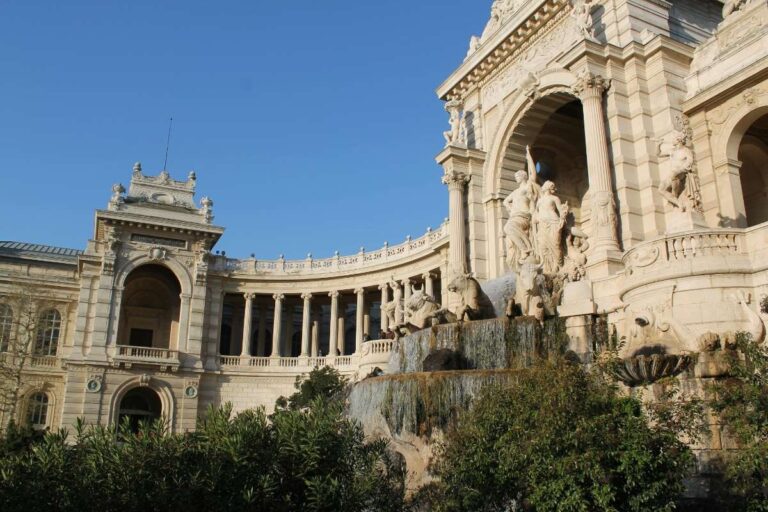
(150, 308)
(551, 121)
(730, 132)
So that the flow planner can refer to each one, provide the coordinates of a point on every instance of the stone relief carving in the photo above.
(533, 60)
(582, 15)
(158, 253)
(679, 183)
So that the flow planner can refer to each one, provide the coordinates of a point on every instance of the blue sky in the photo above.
(312, 125)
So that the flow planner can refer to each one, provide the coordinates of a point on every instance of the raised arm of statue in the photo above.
(531, 165)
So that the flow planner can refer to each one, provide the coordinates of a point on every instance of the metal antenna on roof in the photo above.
(168, 144)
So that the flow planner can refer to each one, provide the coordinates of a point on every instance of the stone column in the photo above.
(603, 239)
(277, 324)
(457, 183)
(315, 337)
(334, 323)
(359, 320)
(429, 284)
(245, 349)
(287, 349)
(342, 328)
(384, 298)
(305, 323)
(261, 340)
(408, 288)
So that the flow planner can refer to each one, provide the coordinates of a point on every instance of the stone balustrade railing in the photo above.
(30, 361)
(377, 347)
(704, 247)
(301, 364)
(337, 263)
(147, 353)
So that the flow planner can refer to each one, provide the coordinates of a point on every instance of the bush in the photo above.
(314, 459)
(742, 403)
(562, 439)
(323, 382)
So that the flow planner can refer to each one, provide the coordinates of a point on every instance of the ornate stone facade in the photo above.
(641, 196)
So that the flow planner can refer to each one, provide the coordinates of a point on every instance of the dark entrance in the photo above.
(139, 405)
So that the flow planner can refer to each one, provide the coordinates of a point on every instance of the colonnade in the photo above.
(328, 310)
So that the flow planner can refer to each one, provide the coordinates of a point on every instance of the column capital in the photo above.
(454, 178)
(406, 281)
(306, 296)
(359, 291)
(588, 84)
(383, 286)
(278, 296)
(428, 275)
(249, 296)
(334, 294)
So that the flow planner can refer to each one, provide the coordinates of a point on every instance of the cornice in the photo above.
(505, 45)
(163, 224)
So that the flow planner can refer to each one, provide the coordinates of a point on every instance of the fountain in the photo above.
(418, 400)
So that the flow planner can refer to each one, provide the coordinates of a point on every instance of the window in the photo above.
(37, 411)
(48, 330)
(6, 325)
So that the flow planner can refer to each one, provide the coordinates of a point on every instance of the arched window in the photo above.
(139, 405)
(48, 330)
(37, 410)
(6, 326)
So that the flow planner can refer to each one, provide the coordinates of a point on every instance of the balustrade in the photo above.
(335, 263)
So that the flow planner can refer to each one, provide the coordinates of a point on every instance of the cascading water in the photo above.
(412, 407)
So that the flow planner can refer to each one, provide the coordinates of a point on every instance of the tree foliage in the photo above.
(562, 439)
(742, 404)
(312, 459)
(323, 382)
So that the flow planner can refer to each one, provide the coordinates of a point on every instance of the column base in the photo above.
(604, 262)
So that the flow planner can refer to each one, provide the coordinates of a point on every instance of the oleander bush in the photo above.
(312, 459)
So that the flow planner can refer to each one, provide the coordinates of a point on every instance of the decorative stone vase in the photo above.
(642, 369)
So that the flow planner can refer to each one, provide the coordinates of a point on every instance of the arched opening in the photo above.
(753, 154)
(554, 129)
(150, 308)
(139, 405)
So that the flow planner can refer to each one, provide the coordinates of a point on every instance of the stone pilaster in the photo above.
(384, 299)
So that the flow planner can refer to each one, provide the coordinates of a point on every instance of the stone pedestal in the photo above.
(577, 299)
(679, 222)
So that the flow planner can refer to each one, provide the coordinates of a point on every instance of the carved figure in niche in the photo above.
(678, 183)
(453, 135)
(731, 6)
(113, 241)
(577, 244)
(549, 220)
(582, 14)
(520, 206)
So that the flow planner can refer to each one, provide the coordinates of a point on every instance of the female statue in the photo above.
(520, 205)
(549, 220)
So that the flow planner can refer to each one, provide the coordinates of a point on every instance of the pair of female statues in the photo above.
(534, 231)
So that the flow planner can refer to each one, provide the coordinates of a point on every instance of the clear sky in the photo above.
(313, 125)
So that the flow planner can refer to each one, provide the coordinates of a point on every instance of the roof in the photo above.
(38, 251)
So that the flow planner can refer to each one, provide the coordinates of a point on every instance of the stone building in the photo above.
(649, 116)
